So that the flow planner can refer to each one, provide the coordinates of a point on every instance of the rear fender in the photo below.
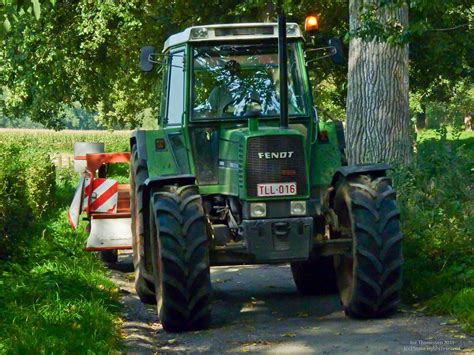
(155, 183)
(138, 138)
(345, 172)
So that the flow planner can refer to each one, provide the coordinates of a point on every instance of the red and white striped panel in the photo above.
(85, 196)
(100, 195)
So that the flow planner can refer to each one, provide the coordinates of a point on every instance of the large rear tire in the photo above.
(315, 276)
(140, 241)
(370, 279)
(180, 258)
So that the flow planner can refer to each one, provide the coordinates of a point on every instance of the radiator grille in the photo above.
(261, 170)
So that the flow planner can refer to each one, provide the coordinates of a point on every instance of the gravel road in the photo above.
(257, 309)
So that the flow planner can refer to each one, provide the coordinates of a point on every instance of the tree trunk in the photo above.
(378, 119)
(468, 122)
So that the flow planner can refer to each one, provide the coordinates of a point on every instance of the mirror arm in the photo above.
(332, 48)
(332, 51)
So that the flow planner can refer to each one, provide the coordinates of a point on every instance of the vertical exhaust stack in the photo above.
(282, 59)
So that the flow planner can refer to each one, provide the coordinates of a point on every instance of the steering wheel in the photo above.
(248, 101)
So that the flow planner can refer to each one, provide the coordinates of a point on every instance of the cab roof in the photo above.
(234, 31)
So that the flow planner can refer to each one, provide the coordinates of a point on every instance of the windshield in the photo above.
(235, 81)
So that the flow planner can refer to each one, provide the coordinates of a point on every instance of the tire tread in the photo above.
(143, 276)
(184, 258)
(376, 228)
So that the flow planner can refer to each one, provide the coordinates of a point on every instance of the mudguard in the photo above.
(138, 138)
(345, 171)
(158, 182)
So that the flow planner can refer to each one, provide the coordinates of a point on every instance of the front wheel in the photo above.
(180, 258)
(369, 279)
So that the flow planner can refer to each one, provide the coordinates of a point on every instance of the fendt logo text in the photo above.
(275, 155)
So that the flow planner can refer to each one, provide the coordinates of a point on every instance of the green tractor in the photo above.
(241, 171)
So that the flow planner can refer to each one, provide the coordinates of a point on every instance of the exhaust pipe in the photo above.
(282, 59)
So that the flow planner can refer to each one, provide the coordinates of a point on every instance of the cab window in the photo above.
(232, 80)
(176, 87)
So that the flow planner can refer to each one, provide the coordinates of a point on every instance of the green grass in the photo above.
(55, 297)
(436, 198)
(451, 134)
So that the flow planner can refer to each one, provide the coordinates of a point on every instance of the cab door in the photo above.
(174, 108)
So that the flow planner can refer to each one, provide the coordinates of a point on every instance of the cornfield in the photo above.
(58, 142)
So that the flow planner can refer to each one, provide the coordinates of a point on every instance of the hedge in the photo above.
(27, 186)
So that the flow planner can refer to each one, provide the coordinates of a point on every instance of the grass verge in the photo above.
(55, 297)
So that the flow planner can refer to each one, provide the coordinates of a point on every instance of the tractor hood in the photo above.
(250, 159)
(245, 132)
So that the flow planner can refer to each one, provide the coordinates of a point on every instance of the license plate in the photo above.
(279, 189)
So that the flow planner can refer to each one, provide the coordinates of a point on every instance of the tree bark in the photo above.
(468, 122)
(378, 119)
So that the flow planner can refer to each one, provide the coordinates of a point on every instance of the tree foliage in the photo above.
(57, 53)
(77, 52)
(441, 49)
(87, 52)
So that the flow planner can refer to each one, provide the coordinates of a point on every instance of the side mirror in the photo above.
(337, 53)
(146, 63)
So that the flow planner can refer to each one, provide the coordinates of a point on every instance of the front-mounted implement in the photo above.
(104, 201)
(242, 171)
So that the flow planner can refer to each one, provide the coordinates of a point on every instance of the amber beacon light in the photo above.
(311, 24)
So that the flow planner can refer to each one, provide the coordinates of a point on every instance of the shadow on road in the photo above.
(254, 292)
(262, 292)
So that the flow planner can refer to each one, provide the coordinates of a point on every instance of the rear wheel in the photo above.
(369, 279)
(180, 258)
(315, 276)
(140, 241)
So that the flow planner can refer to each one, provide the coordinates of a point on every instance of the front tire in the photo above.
(180, 258)
(369, 280)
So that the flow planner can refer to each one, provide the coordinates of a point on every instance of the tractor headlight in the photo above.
(258, 209)
(298, 208)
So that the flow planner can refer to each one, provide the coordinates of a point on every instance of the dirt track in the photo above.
(257, 309)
